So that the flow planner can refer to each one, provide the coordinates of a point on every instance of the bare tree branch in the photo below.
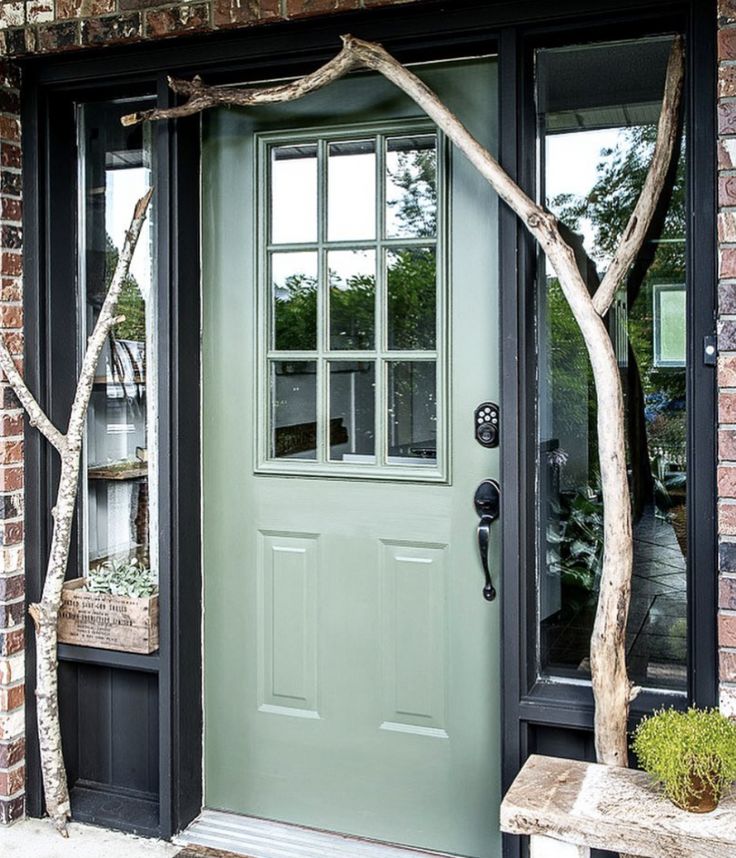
(611, 687)
(36, 415)
(646, 205)
(45, 614)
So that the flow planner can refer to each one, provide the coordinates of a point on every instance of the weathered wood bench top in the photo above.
(616, 809)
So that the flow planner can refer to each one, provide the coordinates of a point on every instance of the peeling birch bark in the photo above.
(69, 446)
(611, 687)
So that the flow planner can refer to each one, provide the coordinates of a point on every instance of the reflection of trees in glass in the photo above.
(655, 397)
(130, 304)
(352, 311)
(295, 313)
(412, 298)
(415, 209)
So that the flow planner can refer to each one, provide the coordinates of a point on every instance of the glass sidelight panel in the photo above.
(348, 299)
(119, 505)
(598, 109)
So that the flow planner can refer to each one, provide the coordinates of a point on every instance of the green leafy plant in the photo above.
(575, 539)
(122, 578)
(691, 754)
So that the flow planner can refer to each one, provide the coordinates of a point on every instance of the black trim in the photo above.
(431, 30)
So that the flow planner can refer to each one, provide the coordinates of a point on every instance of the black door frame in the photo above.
(433, 30)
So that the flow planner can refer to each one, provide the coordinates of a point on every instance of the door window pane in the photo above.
(119, 505)
(598, 109)
(294, 409)
(351, 197)
(294, 283)
(411, 186)
(352, 299)
(353, 412)
(293, 194)
(349, 301)
(412, 411)
(411, 275)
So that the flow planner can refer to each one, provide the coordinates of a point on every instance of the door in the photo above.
(349, 335)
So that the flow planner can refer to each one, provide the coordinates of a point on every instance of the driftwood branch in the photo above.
(611, 687)
(641, 218)
(36, 415)
(45, 613)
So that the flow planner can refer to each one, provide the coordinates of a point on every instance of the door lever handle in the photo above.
(488, 507)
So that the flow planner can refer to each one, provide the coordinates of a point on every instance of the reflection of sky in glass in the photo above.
(351, 193)
(123, 190)
(346, 264)
(570, 168)
(294, 195)
(286, 265)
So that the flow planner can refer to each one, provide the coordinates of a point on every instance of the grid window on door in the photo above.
(352, 293)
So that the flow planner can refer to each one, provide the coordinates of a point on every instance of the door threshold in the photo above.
(259, 838)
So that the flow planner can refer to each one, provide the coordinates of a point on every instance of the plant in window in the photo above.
(691, 754)
(122, 578)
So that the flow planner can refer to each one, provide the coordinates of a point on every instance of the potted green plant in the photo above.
(691, 754)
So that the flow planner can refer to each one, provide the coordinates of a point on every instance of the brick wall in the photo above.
(12, 605)
(41, 26)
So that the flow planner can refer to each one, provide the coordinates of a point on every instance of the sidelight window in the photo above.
(597, 112)
(119, 508)
(352, 298)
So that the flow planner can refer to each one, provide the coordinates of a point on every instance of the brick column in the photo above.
(12, 603)
(727, 350)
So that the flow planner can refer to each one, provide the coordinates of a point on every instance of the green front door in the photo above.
(349, 333)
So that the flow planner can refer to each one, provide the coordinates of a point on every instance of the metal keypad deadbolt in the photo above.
(487, 424)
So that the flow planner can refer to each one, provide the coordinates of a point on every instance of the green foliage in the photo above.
(130, 303)
(673, 746)
(122, 578)
(575, 540)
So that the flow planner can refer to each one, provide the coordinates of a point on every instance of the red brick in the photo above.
(728, 262)
(11, 698)
(727, 629)
(12, 587)
(12, 753)
(12, 532)
(726, 11)
(229, 12)
(11, 479)
(11, 424)
(12, 809)
(9, 128)
(11, 452)
(727, 44)
(60, 36)
(297, 8)
(728, 666)
(727, 482)
(84, 8)
(727, 370)
(11, 614)
(10, 155)
(11, 316)
(111, 29)
(12, 209)
(12, 781)
(12, 264)
(11, 642)
(727, 407)
(727, 593)
(177, 19)
(727, 443)
(727, 190)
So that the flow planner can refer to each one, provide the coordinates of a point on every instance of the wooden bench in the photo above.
(569, 808)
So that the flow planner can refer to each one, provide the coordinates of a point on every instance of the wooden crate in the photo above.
(107, 622)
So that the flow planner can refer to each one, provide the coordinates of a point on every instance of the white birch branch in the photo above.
(611, 687)
(36, 415)
(45, 613)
